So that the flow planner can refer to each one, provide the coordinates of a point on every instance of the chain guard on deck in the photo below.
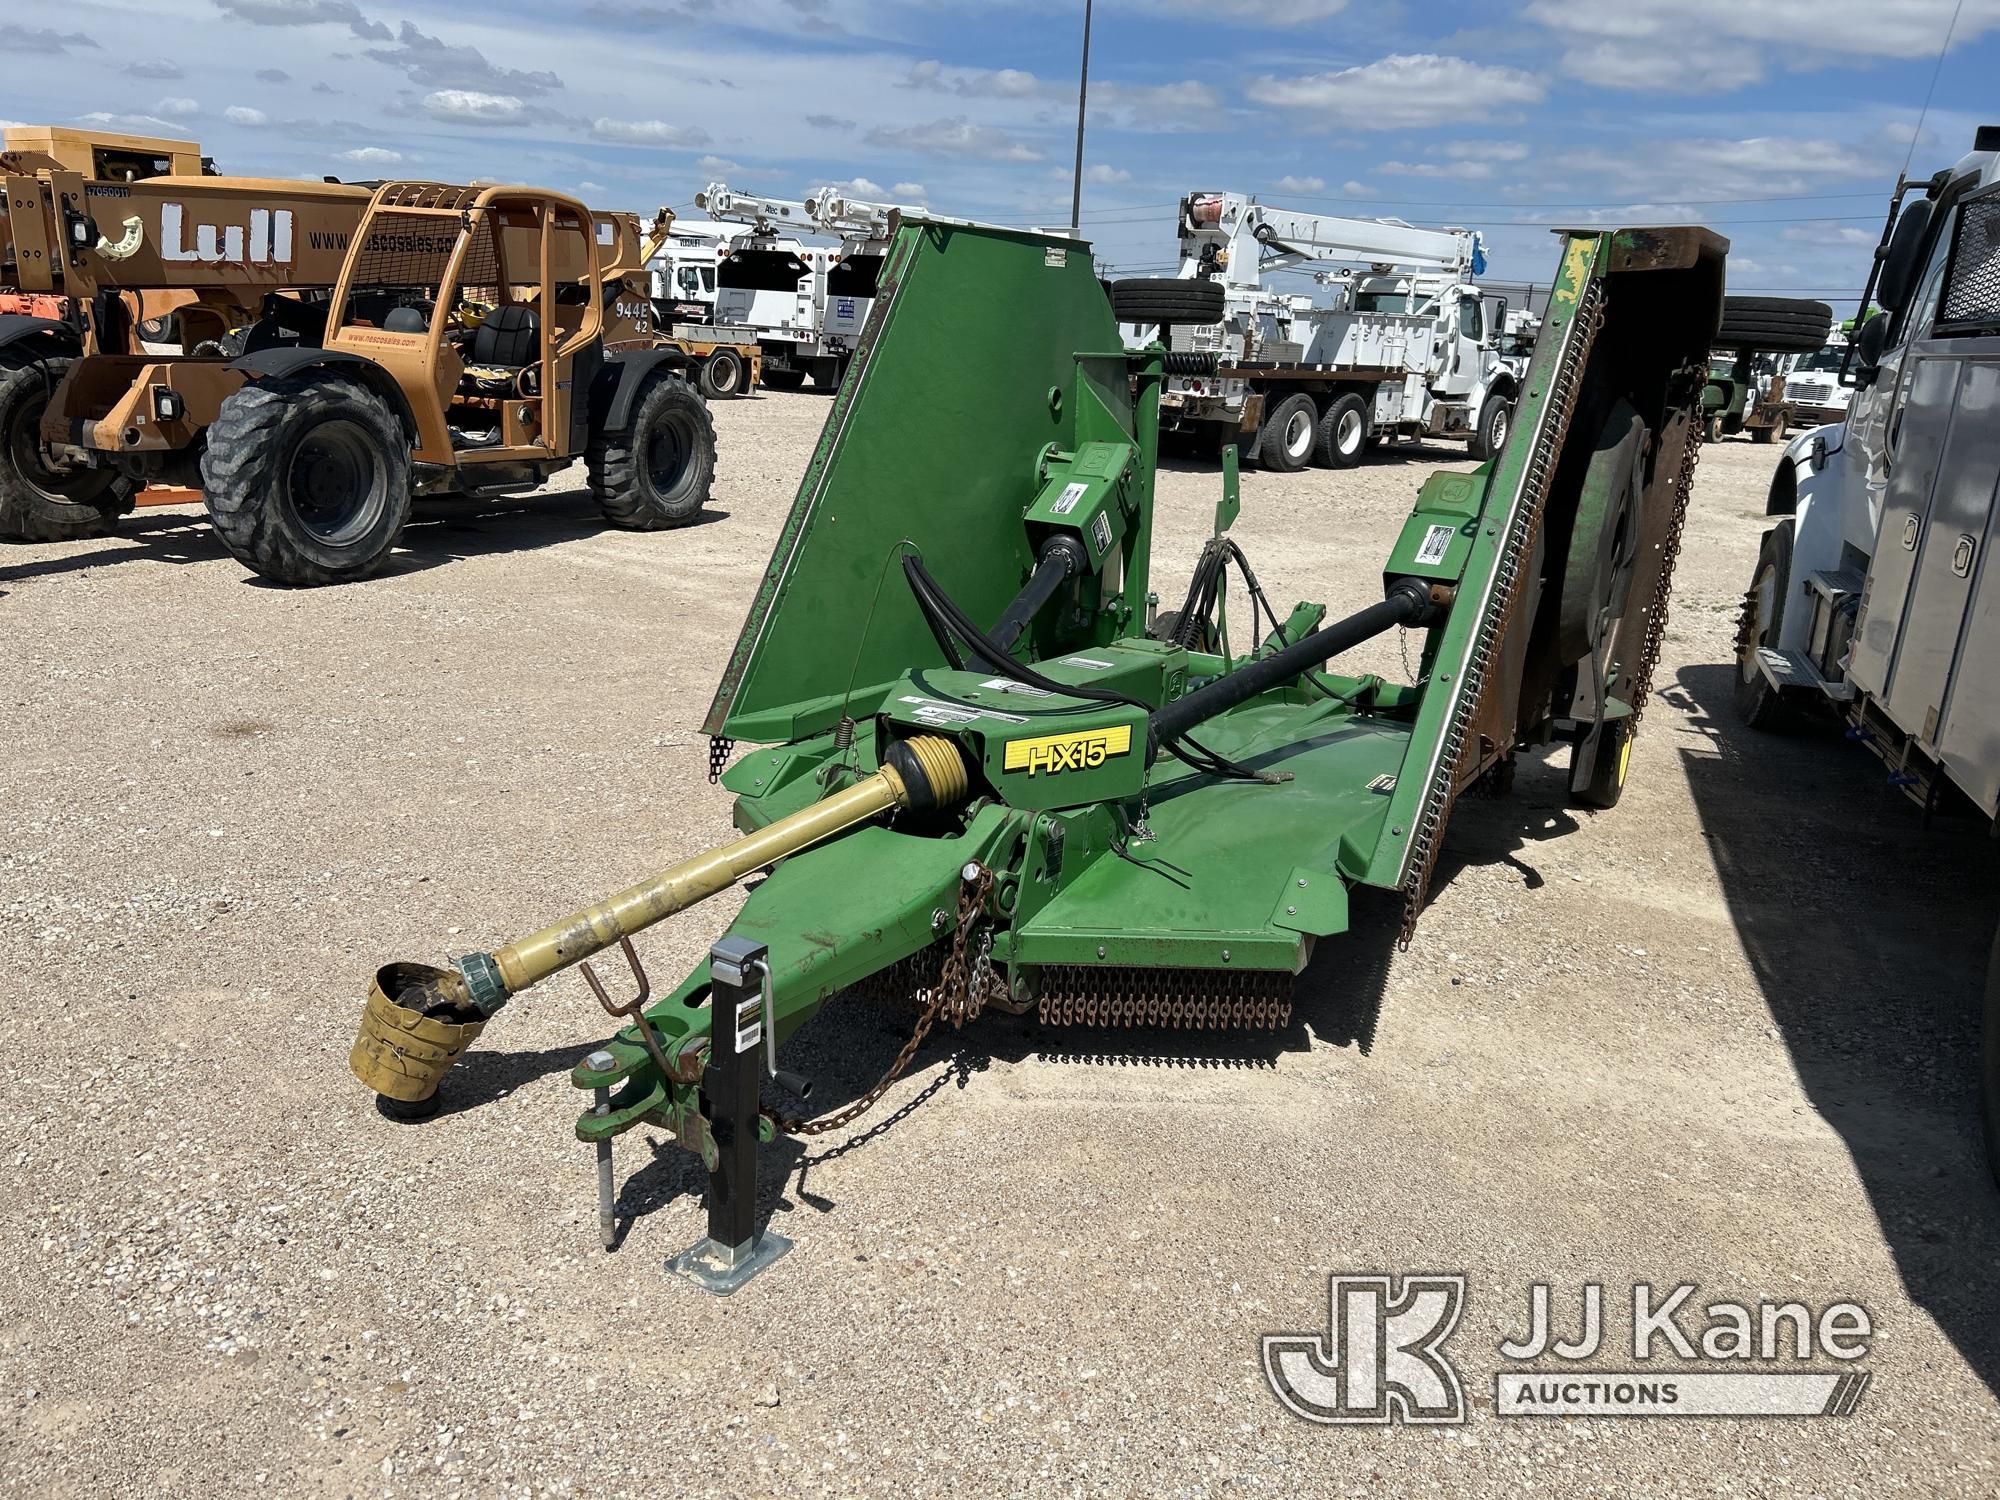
(1189, 999)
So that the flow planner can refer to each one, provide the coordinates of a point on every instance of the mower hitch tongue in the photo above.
(982, 779)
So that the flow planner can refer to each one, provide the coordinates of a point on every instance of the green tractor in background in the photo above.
(1754, 329)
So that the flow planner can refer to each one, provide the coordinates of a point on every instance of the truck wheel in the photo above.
(1496, 420)
(1343, 435)
(42, 500)
(1768, 434)
(1606, 783)
(1989, 1063)
(722, 375)
(307, 479)
(1711, 429)
(784, 380)
(1759, 704)
(1166, 300)
(658, 471)
(1285, 441)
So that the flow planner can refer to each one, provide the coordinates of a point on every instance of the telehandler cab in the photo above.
(484, 372)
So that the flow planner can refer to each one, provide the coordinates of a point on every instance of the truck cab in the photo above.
(1872, 591)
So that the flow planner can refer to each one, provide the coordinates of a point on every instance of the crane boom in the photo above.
(1231, 232)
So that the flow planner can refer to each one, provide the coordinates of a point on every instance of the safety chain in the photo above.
(720, 748)
(1656, 612)
(960, 994)
(1427, 832)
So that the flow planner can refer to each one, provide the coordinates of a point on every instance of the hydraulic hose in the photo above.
(1062, 556)
(1408, 603)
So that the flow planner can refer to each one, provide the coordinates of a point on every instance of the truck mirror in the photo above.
(1903, 256)
(1868, 346)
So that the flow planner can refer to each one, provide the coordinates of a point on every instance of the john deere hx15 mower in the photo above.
(984, 781)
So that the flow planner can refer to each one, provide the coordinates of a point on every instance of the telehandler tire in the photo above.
(722, 374)
(1291, 429)
(657, 473)
(41, 501)
(1342, 439)
(307, 478)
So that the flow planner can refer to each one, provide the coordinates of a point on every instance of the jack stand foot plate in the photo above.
(721, 1269)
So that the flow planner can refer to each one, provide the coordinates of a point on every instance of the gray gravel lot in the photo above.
(1724, 1034)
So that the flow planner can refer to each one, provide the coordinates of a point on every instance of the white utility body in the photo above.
(684, 269)
(1877, 591)
(807, 303)
(1412, 348)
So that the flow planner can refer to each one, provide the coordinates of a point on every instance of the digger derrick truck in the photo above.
(499, 358)
(982, 781)
(727, 361)
(1874, 596)
(1414, 351)
(87, 413)
(805, 304)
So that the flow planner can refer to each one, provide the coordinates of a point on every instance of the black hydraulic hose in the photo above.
(1062, 557)
(1408, 603)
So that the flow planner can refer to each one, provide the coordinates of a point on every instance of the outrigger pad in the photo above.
(967, 367)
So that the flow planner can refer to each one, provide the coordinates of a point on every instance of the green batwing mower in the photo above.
(985, 774)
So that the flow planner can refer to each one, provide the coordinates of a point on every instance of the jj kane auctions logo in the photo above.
(1382, 1358)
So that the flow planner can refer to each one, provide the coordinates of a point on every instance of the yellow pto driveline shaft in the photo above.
(579, 935)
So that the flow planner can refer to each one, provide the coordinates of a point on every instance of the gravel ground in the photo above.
(1725, 1034)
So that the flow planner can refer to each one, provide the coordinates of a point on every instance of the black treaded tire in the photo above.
(1778, 325)
(1758, 704)
(39, 501)
(1166, 300)
(1342, 439)
(722, 375)
(783, 380)
(1496, 420)
(307, 478)
(1288, 434)
(657, 473)
(1989, 1063)
(1606, 783)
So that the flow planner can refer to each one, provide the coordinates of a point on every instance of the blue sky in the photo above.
(1780, 122)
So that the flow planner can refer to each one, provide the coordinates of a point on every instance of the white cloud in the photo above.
(431, 62)
(719, 167)
(649, 133)
(1259, 12)
(1455, 171)
(592, 187)
(1355, 189)
(1484, 150)
(152, 67)
(177, 108)
(979, 83)
(1709, 46)
(910, 192)
(144, 124)
(242, 114)
(1402, 91)
(470, 107)
(371, 156)
(305, 13)
(953, 137)
(1677, 176)
(1103, 174)
(860, 187)
(1290, 183)
(1827, 234)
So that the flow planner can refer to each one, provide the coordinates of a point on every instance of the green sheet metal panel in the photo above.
(967, 368)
